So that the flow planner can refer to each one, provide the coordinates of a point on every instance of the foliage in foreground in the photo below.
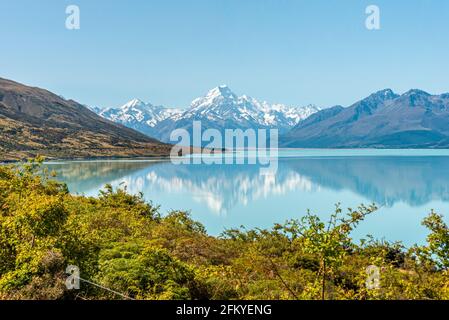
(122, 243)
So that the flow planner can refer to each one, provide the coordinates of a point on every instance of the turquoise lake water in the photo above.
(405, 184)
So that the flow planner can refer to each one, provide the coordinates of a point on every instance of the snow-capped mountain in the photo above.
(139, 115)
(221, 103)
(220, 108)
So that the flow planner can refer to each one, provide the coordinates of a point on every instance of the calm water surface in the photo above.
(405, 184)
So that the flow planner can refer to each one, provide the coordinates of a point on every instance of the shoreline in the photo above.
(158, 157)
(197, 151)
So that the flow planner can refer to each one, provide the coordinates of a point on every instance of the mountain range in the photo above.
(219, 109)
(34, 121)
(415, 119)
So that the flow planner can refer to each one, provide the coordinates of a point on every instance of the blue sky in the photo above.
(171, 51)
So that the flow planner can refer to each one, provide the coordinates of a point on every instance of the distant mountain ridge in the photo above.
(34, 121)
(220, 109)
(415, 119)
(139, 115)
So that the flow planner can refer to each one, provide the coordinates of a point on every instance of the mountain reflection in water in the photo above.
(230, 195)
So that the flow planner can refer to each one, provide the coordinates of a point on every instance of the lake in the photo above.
(405, 184)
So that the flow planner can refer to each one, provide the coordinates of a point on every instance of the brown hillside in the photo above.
(34, 121)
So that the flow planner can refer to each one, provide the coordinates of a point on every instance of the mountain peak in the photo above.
(374, 101)
(222, 90)
(221, 95)
(385, 94)
(416, 92)
(133, 103)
